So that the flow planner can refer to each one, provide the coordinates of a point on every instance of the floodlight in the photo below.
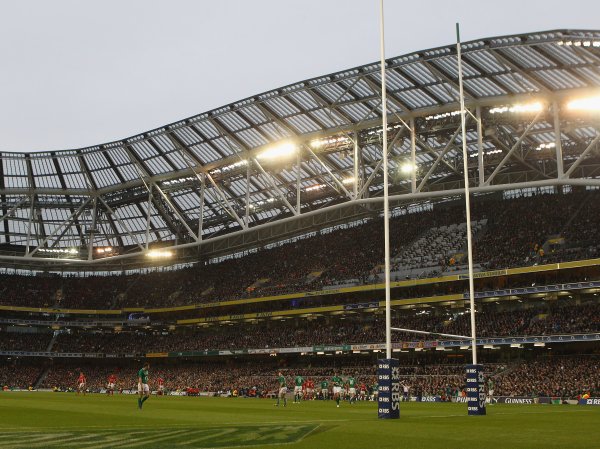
(348, 180)
(518, 108)
(159, 254)
(279, 151)
(315, 187)
(407, 168)
(332, 140)
(584, 104)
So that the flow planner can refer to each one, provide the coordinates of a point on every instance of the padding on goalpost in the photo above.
(388, 391)
(475, 390)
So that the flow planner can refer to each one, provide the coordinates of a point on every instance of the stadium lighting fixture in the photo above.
(544, 146)
(407, 168)
(585, 43)
(159, 254)
(487, 153)
(540, 344)
(584, 104)
(229, 167)
(314, 187)
(279, 151)
(442, 115)
(330, 141)
(71, 251)
(348, 180)
(518, 108)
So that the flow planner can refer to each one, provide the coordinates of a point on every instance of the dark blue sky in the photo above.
(77, 73)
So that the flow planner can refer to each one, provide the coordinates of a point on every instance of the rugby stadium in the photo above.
(219, 281)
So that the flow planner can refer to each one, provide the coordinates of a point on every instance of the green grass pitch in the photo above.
(65, 421)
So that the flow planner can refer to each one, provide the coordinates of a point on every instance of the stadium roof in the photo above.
(308, 154)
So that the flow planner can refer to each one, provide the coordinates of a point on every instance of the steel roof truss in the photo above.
(513, 148)
(68, 221)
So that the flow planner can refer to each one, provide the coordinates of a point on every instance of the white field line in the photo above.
(191, 425)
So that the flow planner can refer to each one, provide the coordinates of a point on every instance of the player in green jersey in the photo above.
(490, 385)
(375, 391)
(298, 381)
(337, 382)
(325, 389)
(282, 389)
(351, 382)
(143, 388)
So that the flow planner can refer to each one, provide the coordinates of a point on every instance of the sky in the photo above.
(80, 73)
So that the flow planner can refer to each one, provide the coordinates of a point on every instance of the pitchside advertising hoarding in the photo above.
(388, 379)
(475, 390)
(589, 401)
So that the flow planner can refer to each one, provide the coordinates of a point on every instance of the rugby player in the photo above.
(143, 388)
(282, 389)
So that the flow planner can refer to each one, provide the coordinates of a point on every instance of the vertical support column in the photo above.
(298, 167)
(92, 231)
(480, 168)
(388, 389)
(356, 162)
(413, 156)
(247, 212)
(475, 390)
(201, 218)
(31, 209)
(557, 141)
(148, 213)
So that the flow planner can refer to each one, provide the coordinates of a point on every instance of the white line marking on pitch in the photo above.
(170, 426)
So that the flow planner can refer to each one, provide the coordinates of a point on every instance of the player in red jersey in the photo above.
(310, 388)
(363, 392)
(81, 381)
(110, 387)
(161, 386)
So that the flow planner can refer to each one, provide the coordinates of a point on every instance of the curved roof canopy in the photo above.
(277, 163)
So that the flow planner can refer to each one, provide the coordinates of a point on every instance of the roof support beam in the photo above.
(514, 148)
(64, 224)
(122, 223)
(440, 157)
(582, 156)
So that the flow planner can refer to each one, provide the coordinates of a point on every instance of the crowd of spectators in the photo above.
(566, 377)
(517, 232)
(18, 376)
(543, 319)
(20, 341)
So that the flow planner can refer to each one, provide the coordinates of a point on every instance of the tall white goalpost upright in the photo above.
(388, 375)
(475, 380)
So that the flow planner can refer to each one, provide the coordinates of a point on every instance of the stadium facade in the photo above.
(308, 155)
